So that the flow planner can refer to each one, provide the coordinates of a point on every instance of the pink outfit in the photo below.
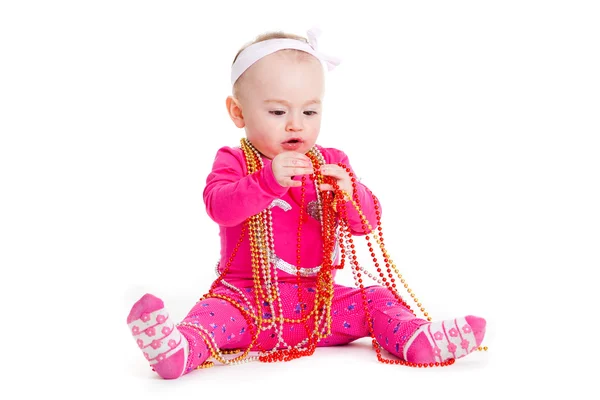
(231, 196)
(393, 323)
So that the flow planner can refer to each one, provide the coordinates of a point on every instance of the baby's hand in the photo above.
(288, 164)
(341, 175)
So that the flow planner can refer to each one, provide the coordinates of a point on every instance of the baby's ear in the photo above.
(235, 111)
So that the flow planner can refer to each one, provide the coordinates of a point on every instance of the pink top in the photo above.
(231, 196)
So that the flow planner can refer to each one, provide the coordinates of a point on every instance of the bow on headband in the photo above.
(312, 36)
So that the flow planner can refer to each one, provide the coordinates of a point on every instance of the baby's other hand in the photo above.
(344, 181)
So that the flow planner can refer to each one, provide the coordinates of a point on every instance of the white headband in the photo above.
(256, 51)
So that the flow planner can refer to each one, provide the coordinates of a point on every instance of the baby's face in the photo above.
(281, 100)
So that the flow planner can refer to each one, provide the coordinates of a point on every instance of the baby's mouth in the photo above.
(293, 141)
(292, 144)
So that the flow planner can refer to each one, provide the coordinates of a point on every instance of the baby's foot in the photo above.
(162, 344)
(442, 340)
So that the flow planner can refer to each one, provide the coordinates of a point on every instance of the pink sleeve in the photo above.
(365, 197)
(231, 196)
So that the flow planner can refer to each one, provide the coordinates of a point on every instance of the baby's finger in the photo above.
(325, 186)
(293, 171)
(300, 161)
(333, 170)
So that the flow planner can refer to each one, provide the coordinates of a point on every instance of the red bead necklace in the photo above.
(259, 228)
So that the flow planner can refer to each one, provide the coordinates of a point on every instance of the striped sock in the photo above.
(443, 340)
(155, 334)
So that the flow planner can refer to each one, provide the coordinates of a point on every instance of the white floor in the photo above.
(515, 365)
(101, 361)
(352, 372)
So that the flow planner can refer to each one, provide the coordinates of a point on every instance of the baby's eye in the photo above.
(277, 112)
(310, 112)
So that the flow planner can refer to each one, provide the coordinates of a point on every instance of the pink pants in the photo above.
(393, 323)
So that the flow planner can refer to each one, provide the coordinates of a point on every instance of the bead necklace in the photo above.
(265, 279)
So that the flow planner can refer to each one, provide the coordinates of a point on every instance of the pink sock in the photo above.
(161, 342)
(442, 340)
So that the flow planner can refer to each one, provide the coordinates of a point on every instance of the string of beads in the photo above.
(317, 321)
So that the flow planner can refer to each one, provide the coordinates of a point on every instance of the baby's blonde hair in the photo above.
(268, 36)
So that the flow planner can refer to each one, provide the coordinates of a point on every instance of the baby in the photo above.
(287, 210)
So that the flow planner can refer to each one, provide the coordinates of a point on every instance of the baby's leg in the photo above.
(348, 319)
(175, 350)
(348, 322)
(397, 330)
(416, 340)
(220, 322)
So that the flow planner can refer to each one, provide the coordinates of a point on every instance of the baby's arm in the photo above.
(231, 196)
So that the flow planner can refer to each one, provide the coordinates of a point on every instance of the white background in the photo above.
(476, 124)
